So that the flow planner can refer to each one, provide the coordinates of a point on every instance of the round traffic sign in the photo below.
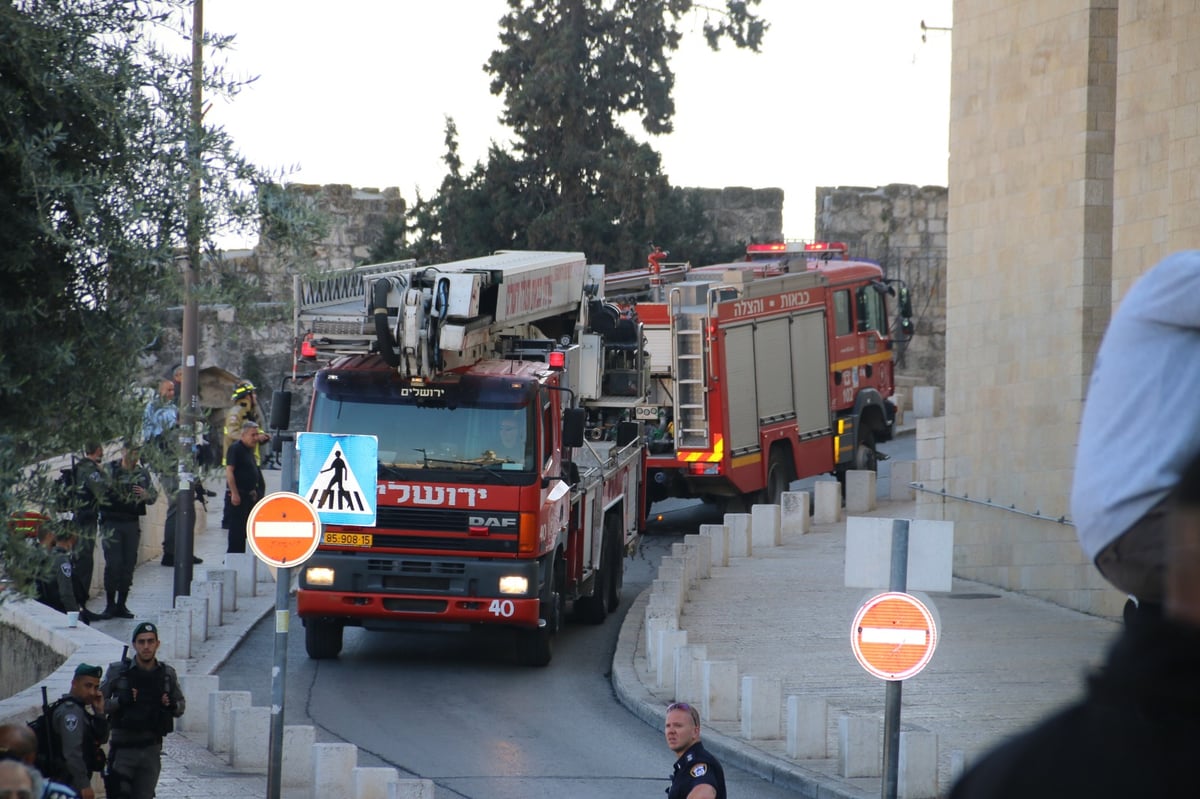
(893, 635)
(283, 529)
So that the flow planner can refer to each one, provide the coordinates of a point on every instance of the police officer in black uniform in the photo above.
(81, 728)
(697, 774)
(143, 699)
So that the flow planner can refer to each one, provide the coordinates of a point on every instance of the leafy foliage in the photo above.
(575, 179)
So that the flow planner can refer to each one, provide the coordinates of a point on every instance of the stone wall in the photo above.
(903, 229)
(742, 215)
(23, 660)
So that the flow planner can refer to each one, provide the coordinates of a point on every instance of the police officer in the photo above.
(80, 726)
(56, 589)
(130, 490)
(92, 487)
(697, 774)
(143, 699)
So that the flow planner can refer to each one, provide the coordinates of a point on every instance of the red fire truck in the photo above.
(478, 378)
(767, 370)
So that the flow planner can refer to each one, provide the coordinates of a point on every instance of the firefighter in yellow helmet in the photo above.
(244, 409)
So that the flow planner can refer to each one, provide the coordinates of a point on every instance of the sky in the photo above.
(842, 93)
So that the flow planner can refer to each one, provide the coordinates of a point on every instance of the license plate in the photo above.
(349, 539)
(646, 413)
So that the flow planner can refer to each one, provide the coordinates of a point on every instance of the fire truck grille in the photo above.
(448, 521)
(435, 521)
(416, 605)
(493, 543)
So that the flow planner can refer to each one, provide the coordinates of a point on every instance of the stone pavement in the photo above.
(1003, 660)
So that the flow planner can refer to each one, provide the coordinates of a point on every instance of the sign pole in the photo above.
(283, 581)
(892, 695)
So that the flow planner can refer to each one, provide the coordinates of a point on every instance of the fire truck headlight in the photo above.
(318, 575)
(514, 584)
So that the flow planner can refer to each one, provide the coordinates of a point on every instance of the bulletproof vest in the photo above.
(147, 713)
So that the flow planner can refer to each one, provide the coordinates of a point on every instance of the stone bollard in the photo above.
(211, 592)
(251, 738)
(371, 782)
(807, 717)
(719, 535)
(671, 591)
(861, 490)
(655, 625)
(197, 610)
(827, 496)
(739, 534)
(761, 701)
(298, 740)
(669, 641)
(410, 789)
(720, 700)
(765, 530)
(228, 580)
(691, 561)
(689, 673)
(196, 688)
(333, 770)
(860, 746)
(917, 765)
(924, 402)
(899, 488)
(246, 566)
(175, 634)
(958, 764)
(220, 718)
(704, 553)
(794, 512)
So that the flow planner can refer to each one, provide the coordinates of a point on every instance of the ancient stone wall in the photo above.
(903, 229)
(741, 215)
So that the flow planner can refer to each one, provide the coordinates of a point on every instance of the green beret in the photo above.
(86, 670)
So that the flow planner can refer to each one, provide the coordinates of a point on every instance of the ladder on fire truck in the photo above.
(690, 366)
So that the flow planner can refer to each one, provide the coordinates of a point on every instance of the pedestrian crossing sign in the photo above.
(338, 475)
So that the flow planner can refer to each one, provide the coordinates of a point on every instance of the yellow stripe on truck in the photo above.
(718, 452)
(854, 363)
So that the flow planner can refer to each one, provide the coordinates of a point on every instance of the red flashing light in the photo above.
(777, 246)
(557, 359)
(307, 350)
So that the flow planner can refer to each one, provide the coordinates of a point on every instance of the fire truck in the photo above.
(765, 371)
(481, 380)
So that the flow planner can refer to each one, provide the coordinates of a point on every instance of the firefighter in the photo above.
(81, 728)
(245, 408)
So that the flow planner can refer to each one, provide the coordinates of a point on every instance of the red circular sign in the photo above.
(893, 636)
(283, 529)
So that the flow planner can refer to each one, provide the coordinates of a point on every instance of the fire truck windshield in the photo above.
(434, 435)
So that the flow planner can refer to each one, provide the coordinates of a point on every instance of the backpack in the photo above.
(49, 759)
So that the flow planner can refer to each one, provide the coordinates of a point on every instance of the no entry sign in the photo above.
(893, 635)
(283, 530)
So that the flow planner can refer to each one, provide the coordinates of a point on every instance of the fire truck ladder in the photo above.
(691, 381)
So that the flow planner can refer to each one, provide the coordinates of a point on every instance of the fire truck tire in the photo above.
(322, 639)
(592, 609)
(864, 453)
(779, 475)
(536, 647)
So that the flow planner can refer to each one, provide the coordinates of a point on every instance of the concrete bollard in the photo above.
(654, 626)
(228, 580)
(333, 770)
(371, 782)
(669, 641)
(739, 534)
(807, 718)
(924, 402)
(860, 746)
(958, 764)
(794, 512)
(676, 567)
(246, 566)
(719, 535)
(691, 561)
(761, 701)
(689, 673)
(827, 499)
(704, 553)
(251, 738)
(720, 700)
(211, 592)
(175, 634)
(220, 718)
(298, 740)
(197, 610)
(671, 591)
(765, 530)
(196, 688)
(411, 789)
(860, 490)
(903, 473)
(917, 765)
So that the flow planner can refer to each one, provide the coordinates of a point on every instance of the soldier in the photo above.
(57, 590)
(80, 727)
(143, 699)
(91, 489)
(130, 490)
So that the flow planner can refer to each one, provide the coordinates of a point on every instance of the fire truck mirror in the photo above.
(905, 302)
(281, 410)
(572, 428)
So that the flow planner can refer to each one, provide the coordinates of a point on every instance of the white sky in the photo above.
(843, 93)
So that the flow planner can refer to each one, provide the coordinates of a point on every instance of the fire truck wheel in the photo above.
(864, 454)
(779, 475)
(322, 639)
(536, 647)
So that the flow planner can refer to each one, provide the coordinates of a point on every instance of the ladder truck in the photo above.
(483, 381)
(766, 371)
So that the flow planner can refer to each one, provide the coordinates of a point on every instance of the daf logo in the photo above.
(490, 521)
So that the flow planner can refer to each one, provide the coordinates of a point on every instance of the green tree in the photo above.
(569, 71)
(94, 169)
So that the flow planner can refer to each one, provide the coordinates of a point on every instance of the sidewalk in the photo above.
(1003, 660)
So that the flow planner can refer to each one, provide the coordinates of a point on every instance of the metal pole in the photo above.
(190, 400)
(288, 480)
(283, 581)
(891, 709)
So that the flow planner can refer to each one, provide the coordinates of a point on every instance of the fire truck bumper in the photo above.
(361, 590)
